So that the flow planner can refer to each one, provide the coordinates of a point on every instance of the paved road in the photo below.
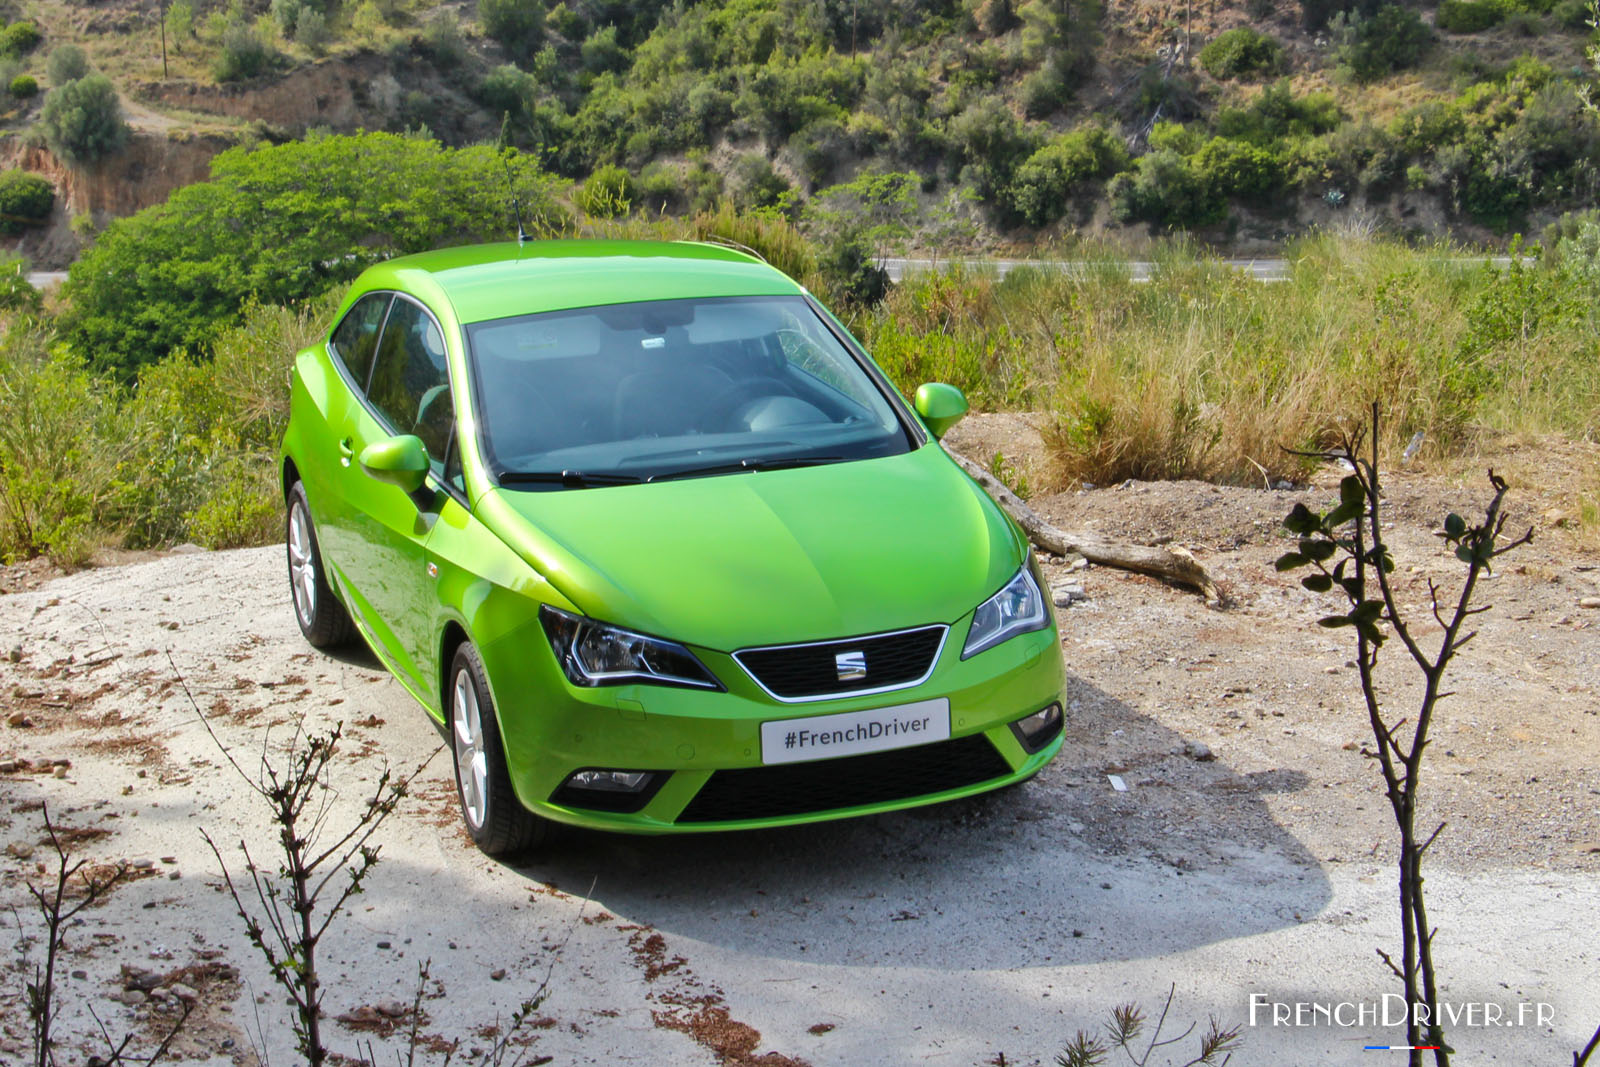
(1262, 270)
(46, 279)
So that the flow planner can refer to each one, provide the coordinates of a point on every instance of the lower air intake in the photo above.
(825, 785)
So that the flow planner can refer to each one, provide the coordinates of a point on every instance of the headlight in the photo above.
(1016, 609)
(594, 653)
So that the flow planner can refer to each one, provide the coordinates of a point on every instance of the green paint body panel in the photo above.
(718, 563)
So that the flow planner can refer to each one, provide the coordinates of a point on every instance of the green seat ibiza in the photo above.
(648, 533)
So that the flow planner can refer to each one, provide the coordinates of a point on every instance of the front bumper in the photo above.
(552, 729)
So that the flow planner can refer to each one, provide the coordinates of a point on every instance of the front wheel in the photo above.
(322, 619)
(495, 818)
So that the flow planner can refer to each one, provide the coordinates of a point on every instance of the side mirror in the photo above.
(398, 461)
(941, 406)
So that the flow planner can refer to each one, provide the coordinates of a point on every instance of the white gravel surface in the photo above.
(948, 935)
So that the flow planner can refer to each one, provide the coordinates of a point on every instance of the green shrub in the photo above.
(25, 200)
(1571, 14)
(1277, 114)
(17, 294)
(442, 40)
(517, 25)
(601, 52)
(1392, 39)
(608, 193)
(1044, 183)
(55, 466)
(1234, 170)
(82, 120)
(283, 223)
(67, 63)
(759, 186)
(1165, 190)
(245, 54)
(18, 39)
(1469, 16)
(1243, 53)
(24, 87)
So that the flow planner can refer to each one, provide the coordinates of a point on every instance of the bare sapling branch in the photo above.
(1345, 549)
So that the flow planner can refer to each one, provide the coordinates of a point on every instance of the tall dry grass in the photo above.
(1202, 372)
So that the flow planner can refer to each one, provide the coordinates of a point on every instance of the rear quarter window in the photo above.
(355, 339)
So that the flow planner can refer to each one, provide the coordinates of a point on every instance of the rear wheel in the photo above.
(322, 619)
(495, 818)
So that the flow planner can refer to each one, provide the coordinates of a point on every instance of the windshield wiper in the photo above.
(571, 479)
(775, 464)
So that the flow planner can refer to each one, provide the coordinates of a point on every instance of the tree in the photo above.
(82, 120)
(1345, 547)
(284, 223)
(67, 63)
(25, 200)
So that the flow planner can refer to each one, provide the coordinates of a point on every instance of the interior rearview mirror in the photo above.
(941, 406)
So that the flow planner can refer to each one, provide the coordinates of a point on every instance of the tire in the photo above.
(323, 620)
(495, 818)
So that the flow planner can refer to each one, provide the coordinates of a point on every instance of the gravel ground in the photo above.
(1250, 854)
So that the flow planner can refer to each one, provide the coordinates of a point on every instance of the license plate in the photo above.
(854, 732)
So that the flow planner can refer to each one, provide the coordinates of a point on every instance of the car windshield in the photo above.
(672, 388)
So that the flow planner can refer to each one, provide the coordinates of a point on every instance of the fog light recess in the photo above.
(1036, 731)
(600, 789)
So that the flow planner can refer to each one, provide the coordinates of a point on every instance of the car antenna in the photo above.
(729, 242)
(511, 185)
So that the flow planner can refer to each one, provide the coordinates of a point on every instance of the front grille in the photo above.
(800, 672)
(875, 778)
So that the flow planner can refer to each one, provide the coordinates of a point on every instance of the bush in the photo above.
(67, 63)
(759, 185)
(283, 223)
(1469, 16)
(18, 39)
(1394, 38)
(518, 25)
(1243, 53)
(17, 294)
(244, 54)
(82, 120)
(1234, 170)
(55, 472)
(1045, 182)
(609, 192)
(1571, 14)
(25, 200)
(1165, 190)
(1278, 114)
(442, 40)
(24, 87)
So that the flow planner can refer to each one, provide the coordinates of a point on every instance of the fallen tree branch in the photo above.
(1173, 564)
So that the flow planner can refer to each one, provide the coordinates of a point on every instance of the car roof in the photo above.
(494, 281)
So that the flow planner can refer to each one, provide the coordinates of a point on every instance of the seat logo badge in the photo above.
(852, 666)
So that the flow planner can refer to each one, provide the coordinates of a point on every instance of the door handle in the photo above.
(347, 451)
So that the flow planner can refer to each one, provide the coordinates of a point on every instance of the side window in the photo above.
(355, 339)
(410, 384)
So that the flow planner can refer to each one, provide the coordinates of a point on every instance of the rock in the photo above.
(160, 993)
(1589, 602)
(130, 997)
(1065, 594)
(1198, 751)
(15, 655)
(8, 766)
(60, 771)
(142, 864)
(390, 1007)
(80, 975)
(385, 944)
(20, 849)
(19, 719)
(139, 978)
(183, 992)
(497, 975)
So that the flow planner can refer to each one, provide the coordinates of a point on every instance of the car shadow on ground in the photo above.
(1063, 869)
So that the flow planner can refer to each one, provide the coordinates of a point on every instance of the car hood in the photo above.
(729, 561)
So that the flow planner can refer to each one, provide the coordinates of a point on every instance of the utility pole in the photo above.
(161, 8)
